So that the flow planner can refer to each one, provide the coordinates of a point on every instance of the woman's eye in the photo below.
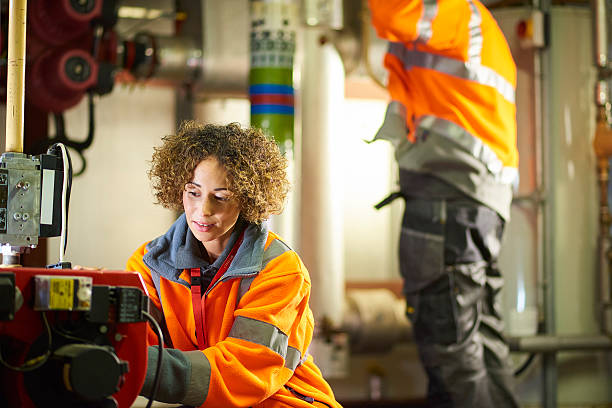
(193, 193)
(221, 198)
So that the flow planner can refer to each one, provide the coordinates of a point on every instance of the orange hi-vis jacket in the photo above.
(451, 74)
(258, 324)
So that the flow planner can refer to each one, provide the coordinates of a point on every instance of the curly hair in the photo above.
(256, 169)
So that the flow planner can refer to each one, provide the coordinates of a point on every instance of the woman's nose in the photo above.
(207, 207)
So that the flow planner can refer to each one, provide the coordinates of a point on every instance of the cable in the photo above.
(64, 234)
(520, 370)
(59, 149)
(365, 45)
(60, 134)
(160, 340)
(36, 362)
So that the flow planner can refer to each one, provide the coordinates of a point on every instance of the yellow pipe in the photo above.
(15, 75)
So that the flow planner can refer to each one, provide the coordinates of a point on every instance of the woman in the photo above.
(231, 296)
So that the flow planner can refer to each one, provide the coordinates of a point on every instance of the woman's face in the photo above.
(210, 208)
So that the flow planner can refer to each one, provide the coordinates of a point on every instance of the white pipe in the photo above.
(320, 233)
(15, 84)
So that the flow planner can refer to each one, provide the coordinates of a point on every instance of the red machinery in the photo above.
(68, 338)
(71, 338)
(64, 38)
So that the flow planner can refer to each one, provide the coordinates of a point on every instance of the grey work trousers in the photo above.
(448, 253)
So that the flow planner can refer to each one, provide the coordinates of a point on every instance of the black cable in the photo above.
(529, 361)
(60, 135)
(35, 362)
(525, 365)
(160, 339)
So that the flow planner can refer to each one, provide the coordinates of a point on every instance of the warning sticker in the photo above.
(61, 294)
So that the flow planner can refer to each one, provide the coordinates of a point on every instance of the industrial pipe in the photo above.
(602, 145)
(15, 75)
(271, 93)
(547, 344)
(375, 320)
(321, 240)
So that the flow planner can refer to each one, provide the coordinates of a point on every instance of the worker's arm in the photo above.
(271, 331)
(440, 25)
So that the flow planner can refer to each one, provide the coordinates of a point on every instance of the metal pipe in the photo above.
(225, 65)
(602, 144)
(548, 344)
(600, 33)
(15, 84)
(542, 68)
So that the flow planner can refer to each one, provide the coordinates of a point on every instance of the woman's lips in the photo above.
(203, 226)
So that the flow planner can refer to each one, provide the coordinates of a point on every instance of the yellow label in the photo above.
(61, 294)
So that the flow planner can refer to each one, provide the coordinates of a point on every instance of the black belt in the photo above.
(389, 199)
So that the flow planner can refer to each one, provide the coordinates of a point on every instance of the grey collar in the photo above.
(178, 249)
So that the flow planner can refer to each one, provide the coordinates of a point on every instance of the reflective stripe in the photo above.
(469, 70)
(259, 332)
(275, 249)
(245, 284)
(424, 30)
(470, 143)
(293, 359)
(475, 41)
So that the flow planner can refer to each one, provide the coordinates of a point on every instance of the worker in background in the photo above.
(452, 121)
(231, 296)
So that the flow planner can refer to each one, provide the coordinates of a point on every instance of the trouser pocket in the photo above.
(432, 312)
(421, 246)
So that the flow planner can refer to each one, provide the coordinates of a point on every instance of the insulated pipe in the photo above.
(271, 75)
(271, 93)
(375, 320)
(320, 220)
(547, 344)
(15, 84)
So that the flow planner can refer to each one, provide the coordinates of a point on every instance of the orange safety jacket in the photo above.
(451, 73)
(258, 323)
